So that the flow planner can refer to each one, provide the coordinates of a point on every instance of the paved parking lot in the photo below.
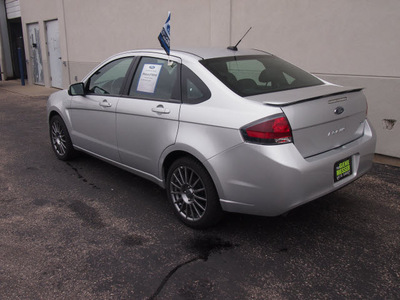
(87, 230)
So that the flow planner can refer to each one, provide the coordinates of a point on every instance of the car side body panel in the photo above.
(93, 126)
(144, 130)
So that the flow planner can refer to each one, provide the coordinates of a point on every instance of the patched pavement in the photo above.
(86, 230)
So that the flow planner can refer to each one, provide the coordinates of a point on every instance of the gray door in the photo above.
(35, 53)
(93, 115)
(147, 121)
(93, 124)
(54, 52)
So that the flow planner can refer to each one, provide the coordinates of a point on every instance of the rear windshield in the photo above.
(258, 74)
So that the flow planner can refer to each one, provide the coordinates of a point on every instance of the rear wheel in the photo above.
(60, 139)
(192, 194)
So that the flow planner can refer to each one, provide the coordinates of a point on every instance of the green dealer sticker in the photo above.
(342, 169)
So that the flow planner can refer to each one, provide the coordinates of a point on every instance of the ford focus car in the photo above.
(221, 130)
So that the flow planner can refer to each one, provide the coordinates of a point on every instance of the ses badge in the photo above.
(342, 169)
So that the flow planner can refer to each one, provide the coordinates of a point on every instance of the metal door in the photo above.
(146, 126)
(93, 124)
(93, 115)
(54, 52)
(35, 53)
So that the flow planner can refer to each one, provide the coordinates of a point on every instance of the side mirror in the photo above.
(76, 89)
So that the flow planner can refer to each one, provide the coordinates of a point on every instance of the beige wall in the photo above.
(124, 25)
(40, 12)
(340, 37)
(347, 42)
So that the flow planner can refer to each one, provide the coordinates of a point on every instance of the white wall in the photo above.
(124, 25)
(347, 42)
(5, 51)
(341, 37)
(39, 12)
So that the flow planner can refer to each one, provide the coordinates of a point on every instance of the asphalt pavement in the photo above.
(86, 230)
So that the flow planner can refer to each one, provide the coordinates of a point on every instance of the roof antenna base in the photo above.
(234, 48)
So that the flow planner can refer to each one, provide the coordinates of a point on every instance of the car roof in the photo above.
(207, 53)
(202, 53)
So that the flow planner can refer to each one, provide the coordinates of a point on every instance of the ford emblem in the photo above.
(338, 110)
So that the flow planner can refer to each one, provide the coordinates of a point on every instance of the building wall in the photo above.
(346, 42)
(39, 12)
(126, 25)
(5, 51)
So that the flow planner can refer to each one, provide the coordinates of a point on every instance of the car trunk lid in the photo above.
(321, 117)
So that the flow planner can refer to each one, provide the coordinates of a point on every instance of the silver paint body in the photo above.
(249, 178)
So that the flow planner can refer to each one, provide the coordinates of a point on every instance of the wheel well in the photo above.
(173, 156)
(52, 114)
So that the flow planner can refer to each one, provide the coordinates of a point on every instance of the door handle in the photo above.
(160, 110)
(105, 103)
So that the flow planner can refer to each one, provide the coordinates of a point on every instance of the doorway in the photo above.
(35, 53)
(16, 41)
(54, 52)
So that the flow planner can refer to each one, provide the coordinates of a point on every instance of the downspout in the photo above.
(66, 62)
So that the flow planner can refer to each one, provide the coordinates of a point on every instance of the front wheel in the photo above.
(60, 139)
(192, 194)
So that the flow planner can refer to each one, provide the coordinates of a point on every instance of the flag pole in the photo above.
(164, 37)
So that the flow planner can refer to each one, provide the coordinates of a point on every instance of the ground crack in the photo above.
(169, 275)
(203, 246)
(81, 177)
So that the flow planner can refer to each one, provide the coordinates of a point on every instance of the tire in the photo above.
(60, 139)
(192, 194)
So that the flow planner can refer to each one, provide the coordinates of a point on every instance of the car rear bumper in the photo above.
(271, 180)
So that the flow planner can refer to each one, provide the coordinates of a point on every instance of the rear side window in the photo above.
(194, 90)
(259, 74)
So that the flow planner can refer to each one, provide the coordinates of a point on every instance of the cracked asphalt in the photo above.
(87, 230)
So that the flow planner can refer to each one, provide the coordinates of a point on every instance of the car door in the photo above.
(93, 115)
(147, 117)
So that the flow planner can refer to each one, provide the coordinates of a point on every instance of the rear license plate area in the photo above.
(342, 169)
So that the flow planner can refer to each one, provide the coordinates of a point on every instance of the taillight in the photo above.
(268, 132)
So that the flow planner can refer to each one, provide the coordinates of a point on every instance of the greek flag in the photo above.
(164, 35)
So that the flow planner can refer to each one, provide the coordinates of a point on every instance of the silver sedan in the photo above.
(221, 130)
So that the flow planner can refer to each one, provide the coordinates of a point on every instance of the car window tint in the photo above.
(194, 89)
(156, 79)
(258, 74)
(108, 79)
(246, 69)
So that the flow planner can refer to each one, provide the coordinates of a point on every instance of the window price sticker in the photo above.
(148, 78)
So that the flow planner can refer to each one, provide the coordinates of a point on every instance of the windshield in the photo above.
(258, 74)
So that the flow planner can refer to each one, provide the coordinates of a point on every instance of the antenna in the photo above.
(234, 48)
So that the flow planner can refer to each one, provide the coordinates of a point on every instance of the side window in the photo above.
(108, 80)
(156, 79)
(193, 89)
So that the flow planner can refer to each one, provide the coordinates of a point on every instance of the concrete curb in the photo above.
(31, 90)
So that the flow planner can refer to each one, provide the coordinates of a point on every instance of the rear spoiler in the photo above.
(290, 97)
(325, 95)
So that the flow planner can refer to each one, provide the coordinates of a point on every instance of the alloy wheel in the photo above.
(58, 138)
(188, 193)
